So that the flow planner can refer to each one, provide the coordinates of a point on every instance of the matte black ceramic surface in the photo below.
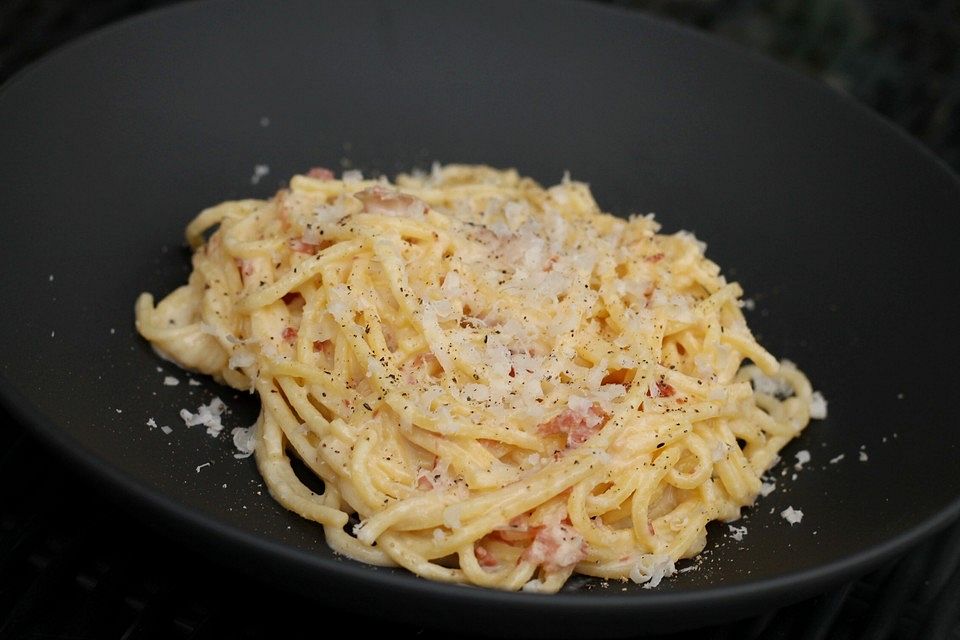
(835, 223)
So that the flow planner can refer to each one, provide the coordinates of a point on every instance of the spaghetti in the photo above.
(500, 383)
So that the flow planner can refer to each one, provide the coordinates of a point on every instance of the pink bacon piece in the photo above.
(389, 202)
(437, 477)
(557, 546)
(577, 425)
(664, 390)
(245, 266)
(300, 246)
(517, 530)
(486, 559)
(320, 173)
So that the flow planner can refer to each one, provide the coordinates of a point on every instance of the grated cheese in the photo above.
(818, 406)
(651, 568)
(533, 586)
(451, 516)
(791, 515)
(207, 415)
(245, 440)
(777, 387)
(259, 171)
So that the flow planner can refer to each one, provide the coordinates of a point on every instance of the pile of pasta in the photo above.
(498, 383)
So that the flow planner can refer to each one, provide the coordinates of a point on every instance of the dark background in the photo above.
(73, 565)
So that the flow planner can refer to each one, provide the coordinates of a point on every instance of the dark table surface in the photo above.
(74, 564)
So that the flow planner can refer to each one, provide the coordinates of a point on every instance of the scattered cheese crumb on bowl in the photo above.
(737, 533)
(791, 515)
(207, 415)
(245, 440)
